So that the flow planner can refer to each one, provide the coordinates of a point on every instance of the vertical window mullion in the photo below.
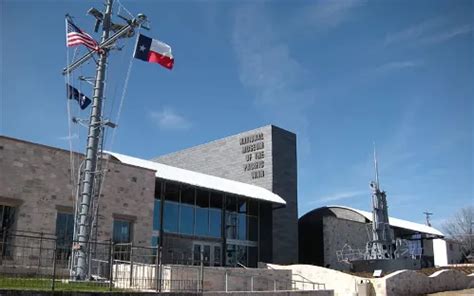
(209, 213)
(195, 211)
(179, 209)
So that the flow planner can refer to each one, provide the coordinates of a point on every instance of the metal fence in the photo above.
(41, 261)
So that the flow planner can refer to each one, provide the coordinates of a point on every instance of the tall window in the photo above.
(64, 234)
(122, 231)
(171, 209)
(186, 220)
(215, 214)
(7, 218)
(202, 213)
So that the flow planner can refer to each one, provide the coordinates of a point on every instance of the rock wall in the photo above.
(36, 180)
(399, 283)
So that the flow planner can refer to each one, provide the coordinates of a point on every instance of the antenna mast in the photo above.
(376, 168)
(427, 216)
(381, 245)
(90, 180)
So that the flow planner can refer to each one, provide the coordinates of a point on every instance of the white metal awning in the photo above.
(171, 173)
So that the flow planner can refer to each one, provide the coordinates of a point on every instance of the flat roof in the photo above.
(171, 173)
(397, 222)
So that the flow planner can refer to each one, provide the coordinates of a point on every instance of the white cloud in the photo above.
(343, 195)
(340, 196)
(398, 65)
(327, 14)
(71, 137)
(447, 34)
(431, 31)
(168, 119)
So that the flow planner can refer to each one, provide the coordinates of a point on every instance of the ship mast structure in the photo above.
(382, 244)
(89, 184)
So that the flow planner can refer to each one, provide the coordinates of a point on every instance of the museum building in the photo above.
(233, 200)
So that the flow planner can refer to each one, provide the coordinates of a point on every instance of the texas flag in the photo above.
(153, 51)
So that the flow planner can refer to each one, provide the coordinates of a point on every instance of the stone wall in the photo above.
(36, 179)
(409, 282)
(339, 232)
(399, 283)
(342, 283)
(228, 158)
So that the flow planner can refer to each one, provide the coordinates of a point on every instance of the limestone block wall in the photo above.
(36, 180)
(399, 283)
(338, 232)
(342, 283)
(409, 282)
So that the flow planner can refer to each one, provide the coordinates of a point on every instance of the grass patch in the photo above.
(45, 284)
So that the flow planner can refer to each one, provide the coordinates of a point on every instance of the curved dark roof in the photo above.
(352, 214)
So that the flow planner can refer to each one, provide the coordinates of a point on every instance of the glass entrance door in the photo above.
(211, 253)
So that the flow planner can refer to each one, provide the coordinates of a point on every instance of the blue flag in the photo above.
(74, 94)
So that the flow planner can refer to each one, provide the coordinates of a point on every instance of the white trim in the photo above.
(201, 180)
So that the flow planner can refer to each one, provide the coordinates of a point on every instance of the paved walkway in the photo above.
(452, 293)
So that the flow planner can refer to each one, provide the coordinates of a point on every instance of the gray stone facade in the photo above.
(264, 157)
(35, 179)
(339, 232)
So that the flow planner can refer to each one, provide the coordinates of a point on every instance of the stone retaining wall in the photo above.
(399, 283)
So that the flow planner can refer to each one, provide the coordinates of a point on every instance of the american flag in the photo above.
(75, 36)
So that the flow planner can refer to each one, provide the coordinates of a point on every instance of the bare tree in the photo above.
(460, 229)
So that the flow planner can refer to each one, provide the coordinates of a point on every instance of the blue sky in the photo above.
(340, 74)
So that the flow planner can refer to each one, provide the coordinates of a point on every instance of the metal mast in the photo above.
(90, 175)
(381, 246)
(90, 162)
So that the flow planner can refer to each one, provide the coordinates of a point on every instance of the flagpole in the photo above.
(92, 157)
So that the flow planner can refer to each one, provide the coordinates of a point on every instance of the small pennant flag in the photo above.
(153, 51)
(75, 36)
(74, 94)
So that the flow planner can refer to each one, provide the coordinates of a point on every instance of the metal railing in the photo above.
(42, 261)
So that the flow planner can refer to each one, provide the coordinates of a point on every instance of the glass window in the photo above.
(202, 212)
(7, 219)
(155, 241)
(242, 230)
(216, 200)
(253, 228)
(202, 221)
(187, 195)
(231, 203)
(157, 215)
(64, 229)
(231, 225)
(64, 235)
(230, 259)
(170, 215)
(252, 256)
(242, 205)
(253, 207)
(242, 255)
(158, 189)
(197, 254)
(122, 231)
(206, 255)
(172, 191)
(217, 255)
(215, 218)
(186, 225)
